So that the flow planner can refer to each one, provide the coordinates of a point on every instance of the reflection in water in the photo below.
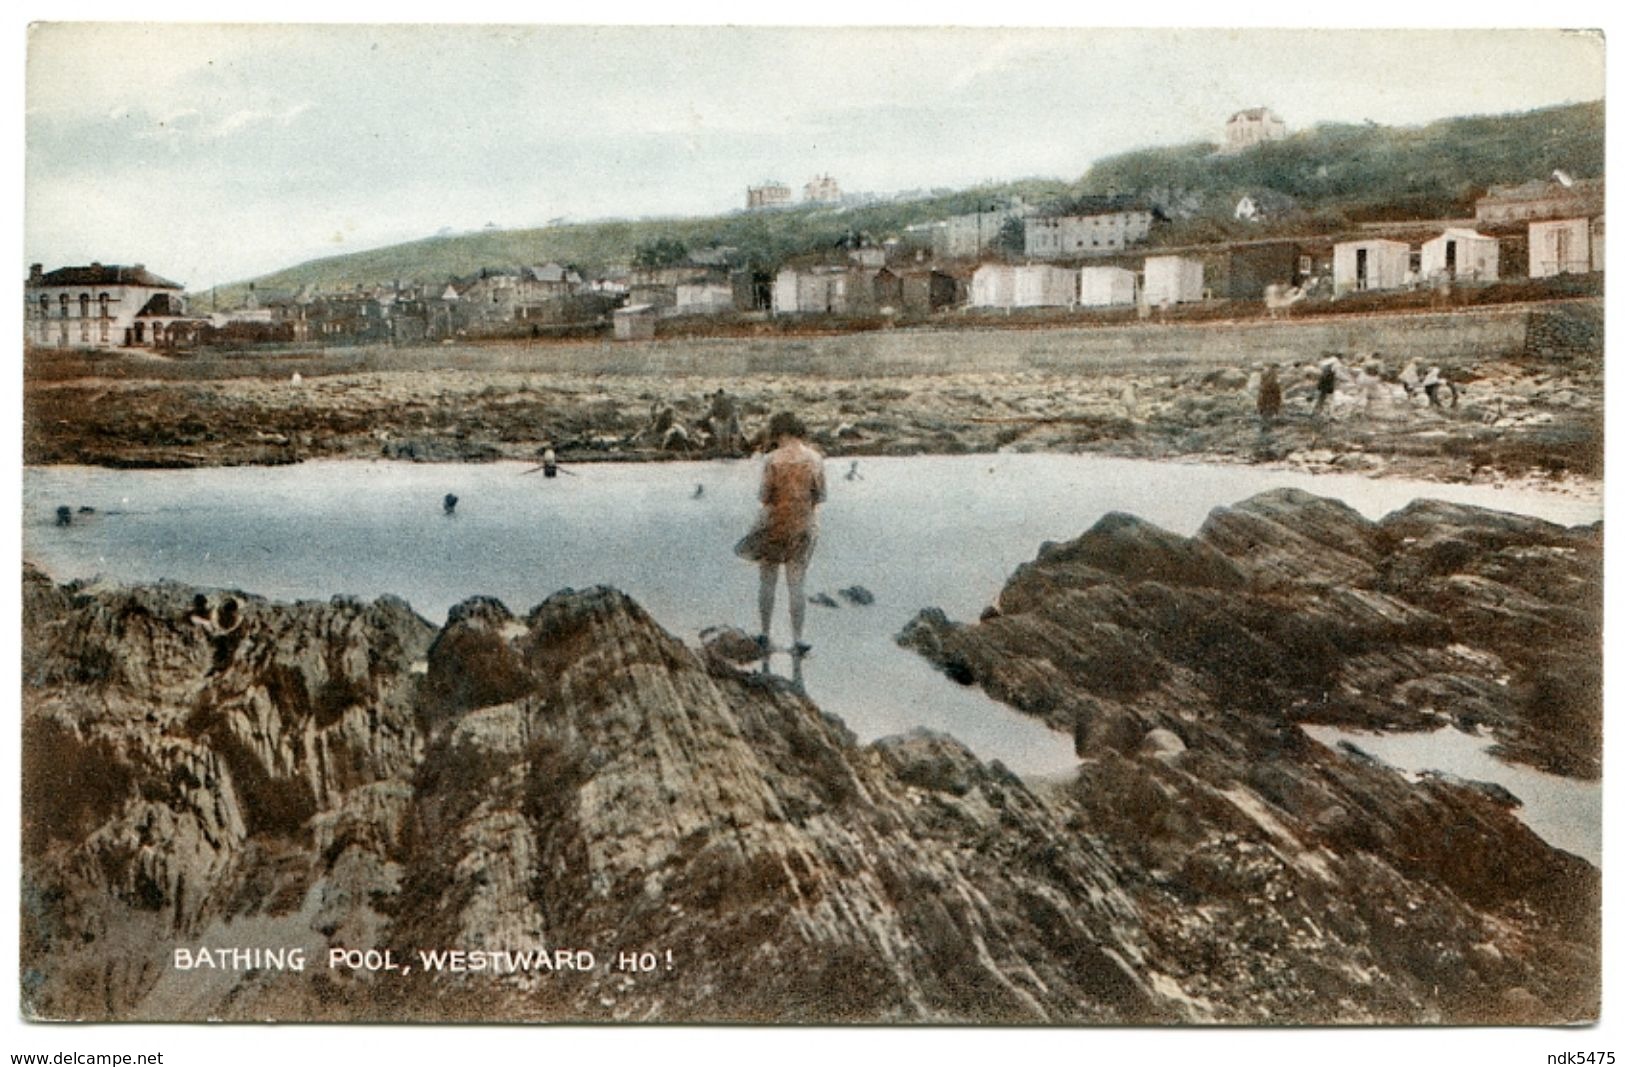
(938, 531)
(1565, 812)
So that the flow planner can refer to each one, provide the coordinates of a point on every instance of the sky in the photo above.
(213, 153)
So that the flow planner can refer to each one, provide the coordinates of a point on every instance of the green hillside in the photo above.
(1337, 174)
(1371, 172)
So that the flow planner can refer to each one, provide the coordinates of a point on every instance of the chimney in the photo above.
(36, 272)
(95, 266)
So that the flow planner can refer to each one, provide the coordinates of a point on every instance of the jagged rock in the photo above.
(1284, 609)
(857, 594)
(624, 793)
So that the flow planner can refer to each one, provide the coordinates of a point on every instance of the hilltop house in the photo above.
(1250, 127)
(1461, 253)
(1088, 226)
(822, 190)
(102, 306)
(769, 194)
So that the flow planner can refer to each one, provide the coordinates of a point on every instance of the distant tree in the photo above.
(660, 252)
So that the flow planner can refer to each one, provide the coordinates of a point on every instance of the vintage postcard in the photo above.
(812, 525)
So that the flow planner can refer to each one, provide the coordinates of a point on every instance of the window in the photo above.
(64, 301)
(102, 300)
(44, 306)
(84, 305)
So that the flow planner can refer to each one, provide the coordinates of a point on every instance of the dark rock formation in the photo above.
(580, 781)
(1183, 666)
(578, 784)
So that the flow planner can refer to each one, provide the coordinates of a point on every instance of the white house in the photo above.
(1462, 253)
(1374, 264)
(1565, 246)
(1172, 280)
(1105, 286)
(100, 306)
(816, 290)
(1109, 224)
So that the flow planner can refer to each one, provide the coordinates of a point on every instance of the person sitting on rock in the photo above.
(1410, 379)
(787, 526)
(1433, 383)
(200, 615)
(228, 623)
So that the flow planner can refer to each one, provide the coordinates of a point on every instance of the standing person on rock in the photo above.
(1326, 384)
(725, 422)
(1269, 395)
(787, 526)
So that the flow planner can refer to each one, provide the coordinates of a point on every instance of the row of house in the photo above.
(1549, 228)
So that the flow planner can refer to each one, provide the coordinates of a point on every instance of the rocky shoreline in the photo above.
(1531, 419)
(343, 774)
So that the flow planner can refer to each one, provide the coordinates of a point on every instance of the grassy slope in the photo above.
(1338, 174)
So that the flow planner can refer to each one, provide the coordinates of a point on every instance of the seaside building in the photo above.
(1089, 226)
(103, 306)
(1561, 197)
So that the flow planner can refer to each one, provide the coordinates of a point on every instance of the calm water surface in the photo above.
(943, 531)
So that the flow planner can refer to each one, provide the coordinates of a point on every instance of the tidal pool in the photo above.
(1565, 812)
(928, 531)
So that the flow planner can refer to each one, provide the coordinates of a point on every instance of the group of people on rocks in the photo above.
(1366, 381)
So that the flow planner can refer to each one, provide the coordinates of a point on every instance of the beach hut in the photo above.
(1172, 280)
(1040, 285)
(1462, 253)
(1374, 264)
(635, 323)
(993, 286)
(1105, 287)
(1562, 246)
